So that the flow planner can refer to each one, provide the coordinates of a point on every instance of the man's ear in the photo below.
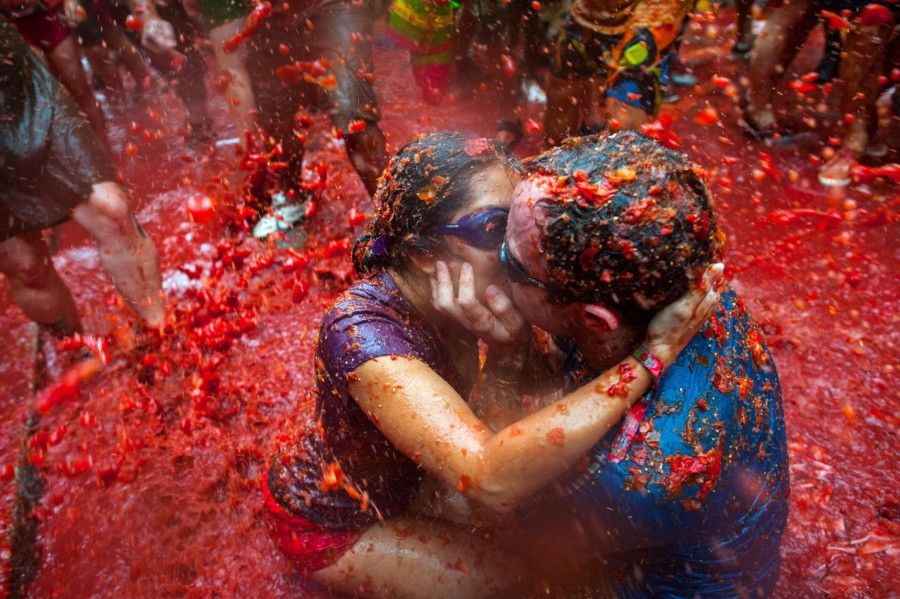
(422, 261)
(598, 318)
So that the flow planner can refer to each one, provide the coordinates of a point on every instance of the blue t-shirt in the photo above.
(693, 501)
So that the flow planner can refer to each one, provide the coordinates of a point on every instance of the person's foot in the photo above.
(592, 128)
(828, 68)
(284, 222)
(762, 125)
(532, 92)
(836, 172)
(509, 132)
(758, 124)
(201, 134)
(876, 149)
(141, 342)
(743, 48)
(683, 79)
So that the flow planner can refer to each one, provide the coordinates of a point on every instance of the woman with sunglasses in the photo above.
(396, 363)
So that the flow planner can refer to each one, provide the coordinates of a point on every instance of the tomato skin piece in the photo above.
(707, 116)
(254, 20)
(134, 23)
(356, 218)
(200, 209)
(875, 14)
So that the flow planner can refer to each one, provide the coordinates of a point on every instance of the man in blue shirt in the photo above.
(688, 495)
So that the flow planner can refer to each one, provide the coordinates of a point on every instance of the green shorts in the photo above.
(218, 12)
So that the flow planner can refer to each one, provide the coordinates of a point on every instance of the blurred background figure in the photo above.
(53, 167)
(872, 51)
(426, 30)
(314, 56)
(108, 49)
(222, 20)
(169, 37)
(622, 49)
(47, 28)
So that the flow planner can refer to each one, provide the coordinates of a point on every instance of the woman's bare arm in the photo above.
(424, 417)
(427, 420)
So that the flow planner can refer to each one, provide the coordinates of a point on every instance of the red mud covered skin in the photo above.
(152, 490)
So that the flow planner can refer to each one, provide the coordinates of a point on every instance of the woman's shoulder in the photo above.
(372, 299)
(370, 320)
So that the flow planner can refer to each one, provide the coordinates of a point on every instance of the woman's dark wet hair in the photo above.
(424, 185)
(626, 217)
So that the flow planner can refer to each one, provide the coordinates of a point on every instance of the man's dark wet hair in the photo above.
(425, 183)
(625, 217)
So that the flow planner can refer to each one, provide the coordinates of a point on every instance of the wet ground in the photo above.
(152, 489)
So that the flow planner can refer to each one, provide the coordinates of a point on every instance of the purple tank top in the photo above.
(370, 320)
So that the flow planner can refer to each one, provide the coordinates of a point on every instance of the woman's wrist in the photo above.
(650, 361)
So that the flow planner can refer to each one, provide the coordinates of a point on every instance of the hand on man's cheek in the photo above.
(536, 309)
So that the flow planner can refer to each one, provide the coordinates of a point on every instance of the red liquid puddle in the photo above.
(152, 491)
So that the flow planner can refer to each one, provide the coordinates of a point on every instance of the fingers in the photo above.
(462, 305)
(478, 315)
(698, 301)
(505, 311)
(683, 309)
(710, 300)
(713, 272)
(432, 282)
(466, 294)
(442, 294)
(495, 319)
(708, 306)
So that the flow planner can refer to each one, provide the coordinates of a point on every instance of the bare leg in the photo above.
(128, 54)
(629, 117)
(240, 91)
(189, 74)
(828, 67)
(744, 41)
(565, 99)
(277, 105)
(189, 80)
(36, 286)
(865, 59)
(65, 63)
(413, 558)
(126, 252)
(785, 32)
(105, 67)
(367, 154)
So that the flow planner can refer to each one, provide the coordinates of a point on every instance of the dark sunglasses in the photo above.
(515, 270)
(484, 229)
